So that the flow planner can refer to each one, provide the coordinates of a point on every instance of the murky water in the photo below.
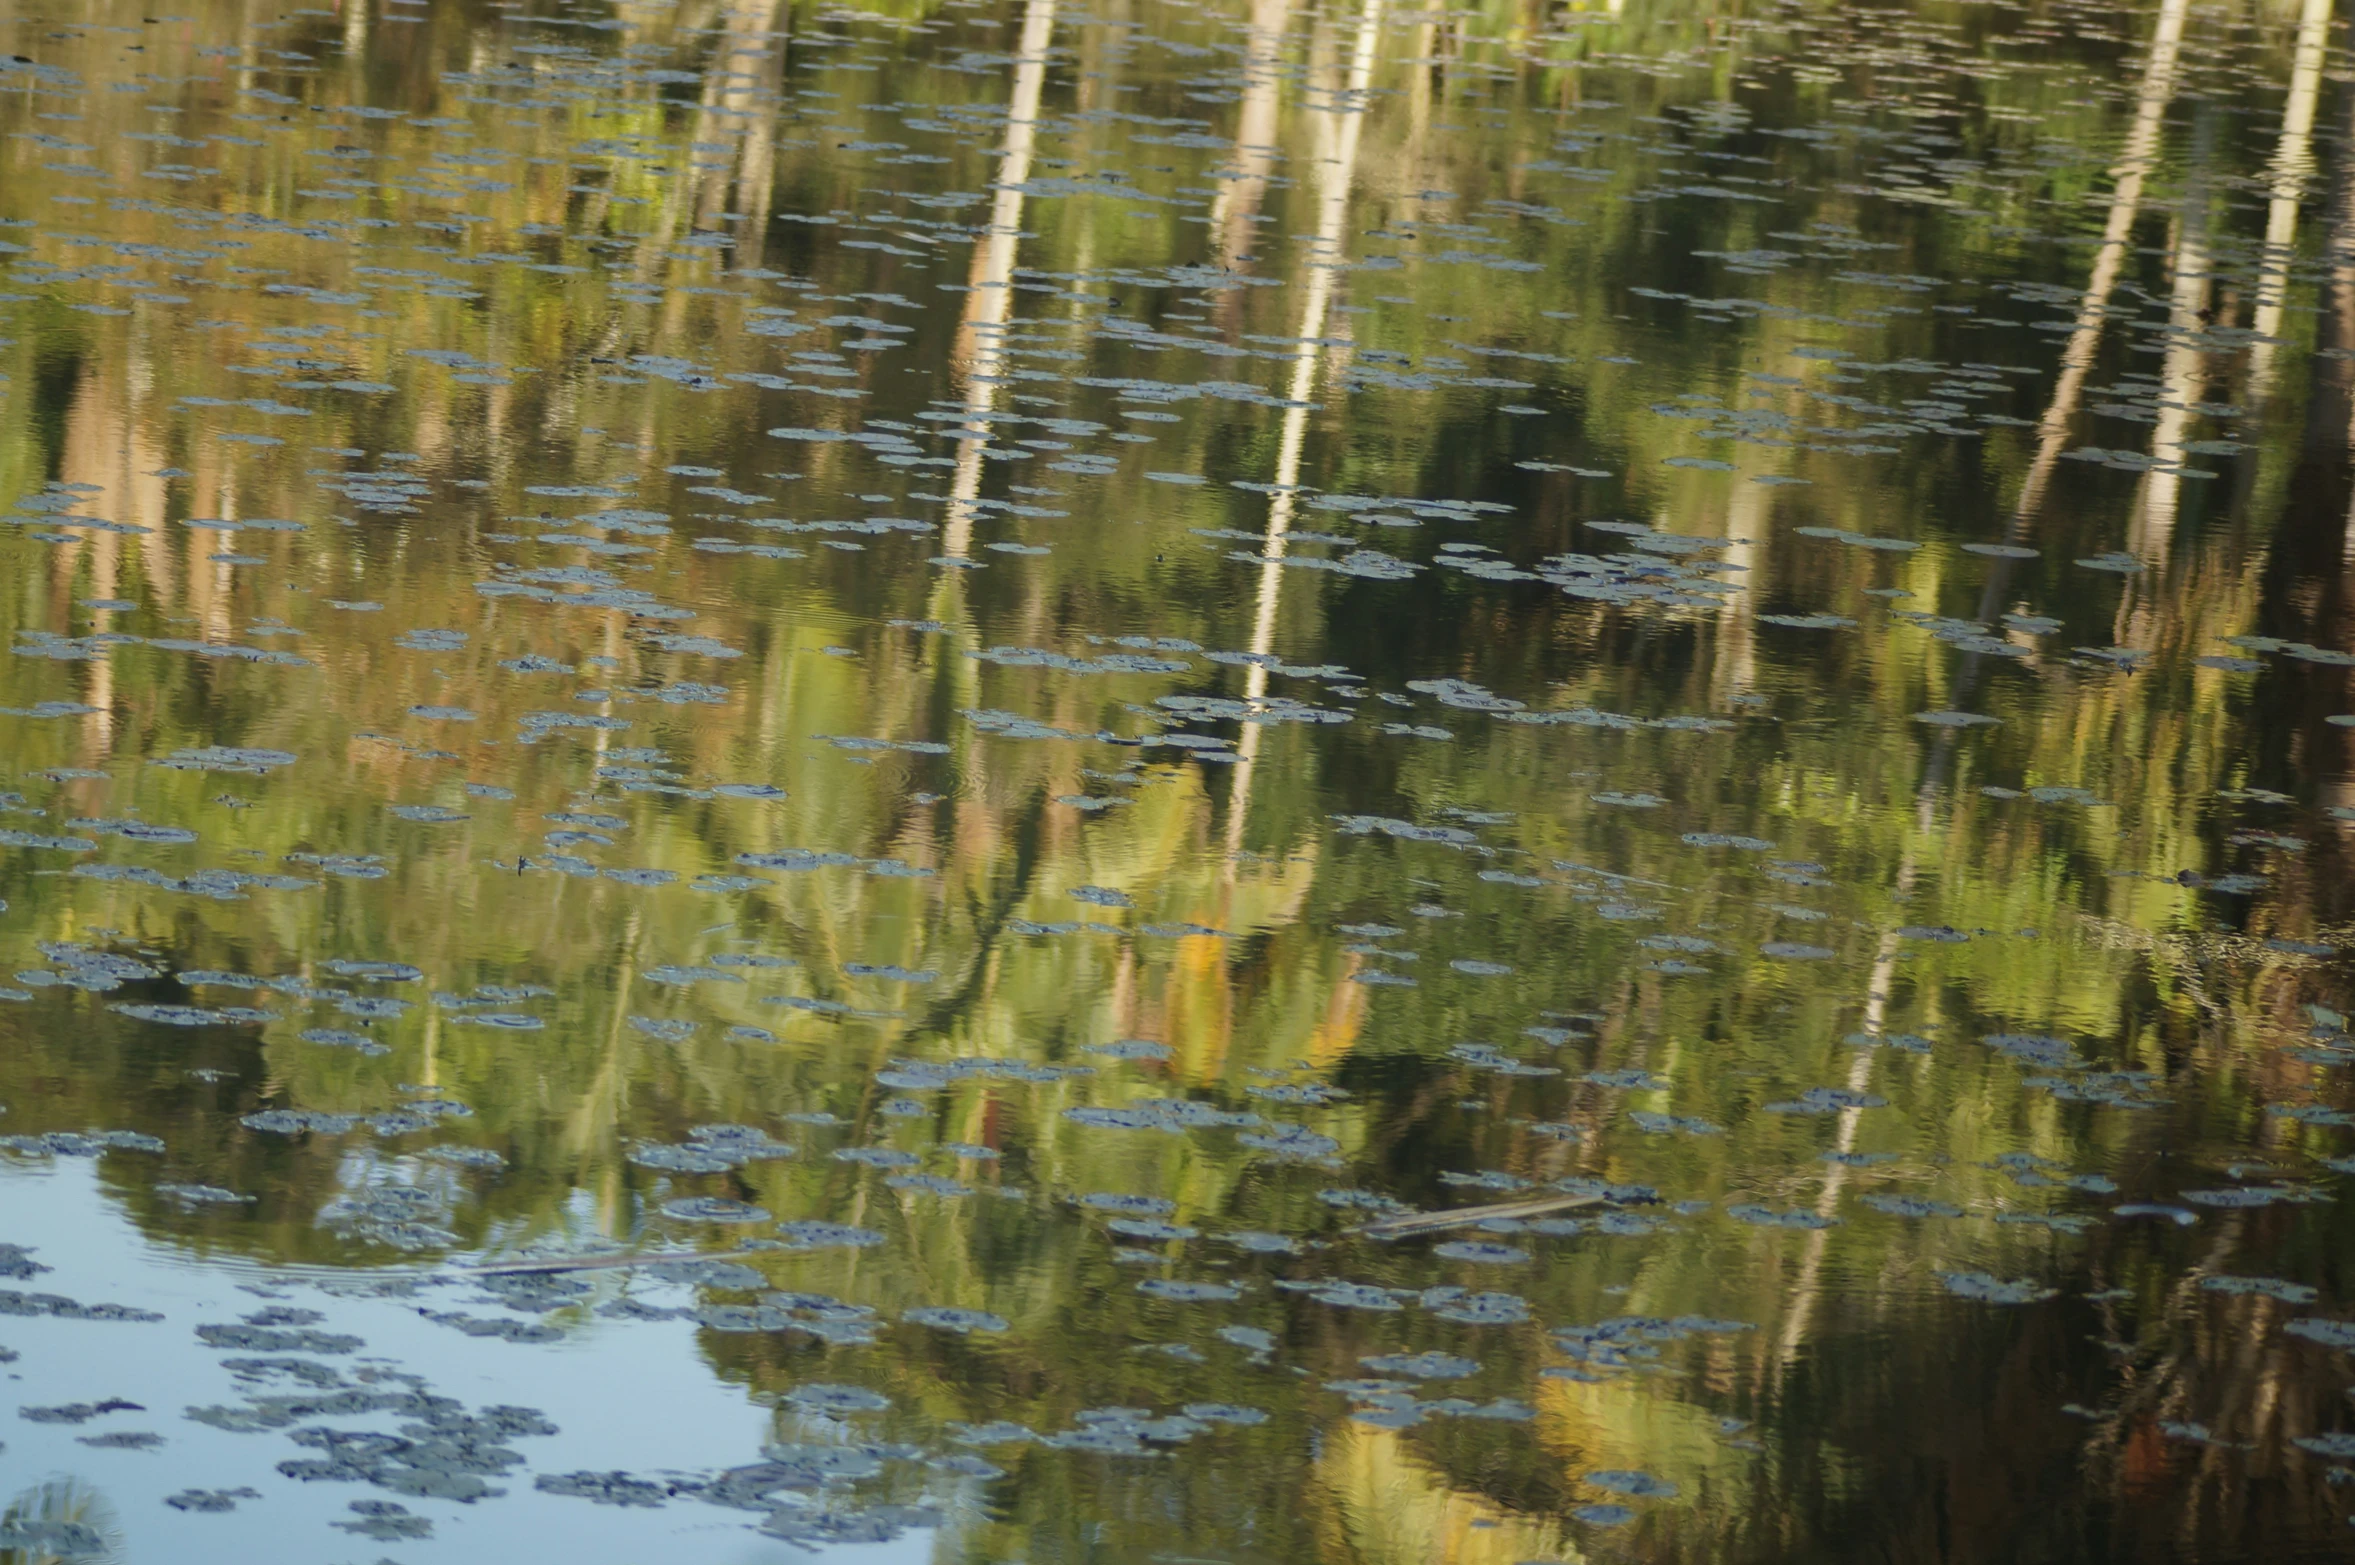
(1204, 783)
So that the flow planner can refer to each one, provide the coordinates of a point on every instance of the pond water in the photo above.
(1176, 782)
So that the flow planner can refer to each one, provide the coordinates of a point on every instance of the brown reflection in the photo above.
(739, 104)
(1243, 184)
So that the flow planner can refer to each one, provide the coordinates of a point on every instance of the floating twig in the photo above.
(1464, 1216)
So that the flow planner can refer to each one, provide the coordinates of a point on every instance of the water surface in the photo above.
(1026, 673)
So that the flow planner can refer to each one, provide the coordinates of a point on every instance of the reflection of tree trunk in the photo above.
(1245, 187)
(1877, 991)
(733, 105)
(104, 441)
(598, 1108)
(2182, 375)
(1324, 265)
(1418, 93)
(2306, 592)
(756, 169)
(98, 684)
(2293, 163)
(1733, 663)
(1801, 1310)
(979, 354)
(2060, 413)
(981, 348)
(1341, 126)
(2314, 527)
(2133, 165)
(2330, 402)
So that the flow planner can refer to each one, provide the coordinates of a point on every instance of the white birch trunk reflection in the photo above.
(2127, 175)
(1324, 265)
(981, 348)
(2293, 165)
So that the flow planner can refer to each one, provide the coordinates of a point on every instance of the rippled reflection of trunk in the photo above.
(2183, 373)
(1800, 1312)
(2308, 579)
(1245, 184)
(2127, 177)
(740, 109)
(2293, 165)
(1420, 70)
(2135, 158)
(2330, 402)
(979, 357)
(598, 1108)
(981, 347)
(1733, 666)
(1324, 264)
(2316, 531)
(107, 441)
